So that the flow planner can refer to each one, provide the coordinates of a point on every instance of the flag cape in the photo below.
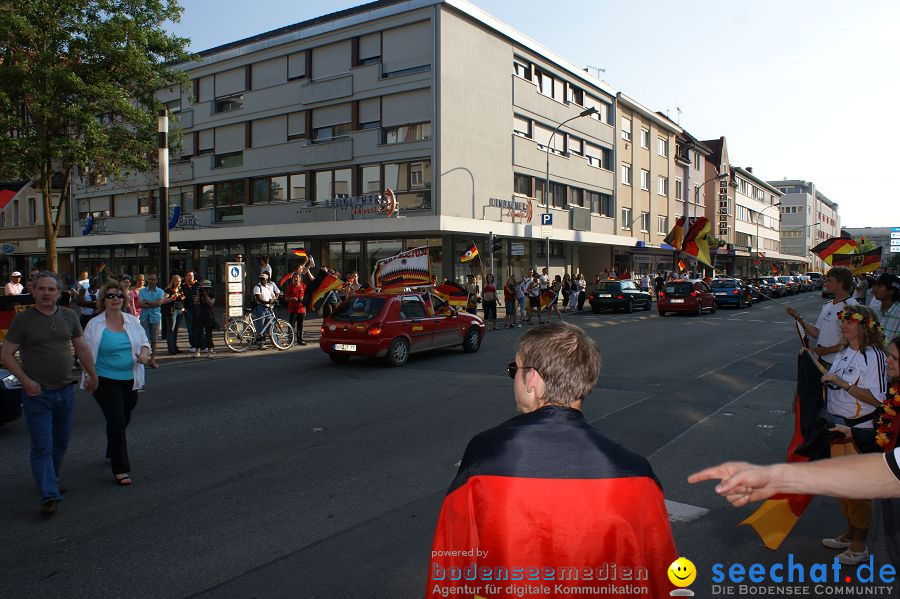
(469, 254)
(676, 235)
(452, 293)
(319, 287)
(859, 263)
(695, 243)
(546, 491)
(547, 297)
(834, 245)
(776, 517)
(407, 269)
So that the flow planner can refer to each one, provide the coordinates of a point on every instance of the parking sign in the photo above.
(547, 219)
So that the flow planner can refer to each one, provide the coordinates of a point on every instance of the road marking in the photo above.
(751, 320)
(682, 512)
(707, 417)
(741, 358)
(766, 307)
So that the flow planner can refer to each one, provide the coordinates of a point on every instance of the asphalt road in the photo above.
(286, 475)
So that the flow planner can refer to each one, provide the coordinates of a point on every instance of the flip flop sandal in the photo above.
(123, 480)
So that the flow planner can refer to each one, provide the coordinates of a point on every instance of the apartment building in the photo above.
(808, 218)
(292, 137)
(646, 184)
(22, 229)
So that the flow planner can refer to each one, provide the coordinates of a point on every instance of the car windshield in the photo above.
(786, 279)
(607, 287)
(679, 288)
(358, 309)
(723, 283)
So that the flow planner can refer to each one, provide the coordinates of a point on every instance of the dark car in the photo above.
(762, 289)
(691, 295)
(619, 295)
(817, 278)
(790, 285)
(731, 292)
(806, 284)
(395, 326)
(777, 287)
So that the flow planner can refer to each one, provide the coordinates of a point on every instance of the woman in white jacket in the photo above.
(120, 348)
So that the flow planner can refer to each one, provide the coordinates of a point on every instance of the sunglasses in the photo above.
(115, 296)
(512, 368)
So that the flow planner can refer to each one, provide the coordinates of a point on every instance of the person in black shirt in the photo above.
(173, 314)
(190, 288)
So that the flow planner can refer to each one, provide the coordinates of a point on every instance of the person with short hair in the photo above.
(827, 332)
(191, 287)
(42, 335)
(205, 321)
(14, 287)
(120, 348)
(150, 298)
(509, 301)
(887, 291)
(293, 293)
(546, 488)
(265, 294)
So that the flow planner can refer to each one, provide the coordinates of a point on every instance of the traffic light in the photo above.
(495, 244)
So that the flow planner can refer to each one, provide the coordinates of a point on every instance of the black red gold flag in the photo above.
(859, 263)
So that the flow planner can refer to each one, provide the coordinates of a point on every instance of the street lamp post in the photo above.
(587, 112)
(761, 212)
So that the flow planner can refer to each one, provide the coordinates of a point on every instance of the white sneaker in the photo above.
(836, 543)
(193, 350)
(851, 558)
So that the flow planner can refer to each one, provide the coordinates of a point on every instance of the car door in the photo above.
(446, 328)
(706, 295)
(416, 322)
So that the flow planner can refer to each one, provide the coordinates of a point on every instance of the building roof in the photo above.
(802, 183)
(9, 190)
(660, 120)
(715, 149)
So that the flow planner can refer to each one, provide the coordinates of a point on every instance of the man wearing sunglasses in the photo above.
(546, 490)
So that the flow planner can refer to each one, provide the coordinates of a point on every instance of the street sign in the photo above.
(547, 219)
(235, 272)
(235, 288)
(234, 298)
(517, 249)
(8, 248)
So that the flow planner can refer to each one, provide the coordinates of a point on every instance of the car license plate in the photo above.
(344, 347)
(677, 301)
(721, 293)
(604, 295)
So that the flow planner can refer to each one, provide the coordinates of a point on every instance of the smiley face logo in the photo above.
(682, 572)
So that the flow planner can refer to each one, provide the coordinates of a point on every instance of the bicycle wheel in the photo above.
(282, 334)
(238, 336)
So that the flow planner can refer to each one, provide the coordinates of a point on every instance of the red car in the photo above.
(395, 326)
(692, 296)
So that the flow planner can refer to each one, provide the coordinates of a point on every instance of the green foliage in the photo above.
(864, 246)
(77, 83)
(893, 262)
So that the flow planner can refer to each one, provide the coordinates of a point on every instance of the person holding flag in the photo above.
(527, 491)
(294, 293)
(826, 331)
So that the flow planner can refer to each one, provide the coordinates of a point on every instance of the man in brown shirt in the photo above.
(42, 335)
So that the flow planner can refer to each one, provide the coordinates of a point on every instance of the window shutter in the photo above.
(405, 108)
(406, 47)
(230, 138)
(269, 72)
(331, 59)
(370, 46)
(370, 110)
(332, 115)
(269, 132)
(297, 123)
(230, 82)
(297, 65)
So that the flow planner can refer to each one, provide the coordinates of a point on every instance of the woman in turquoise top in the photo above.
(120, 349)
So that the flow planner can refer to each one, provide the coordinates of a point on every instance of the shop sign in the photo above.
(8, 248)
(370, 203)
(723, 209)
(517, 249)
(514, 208)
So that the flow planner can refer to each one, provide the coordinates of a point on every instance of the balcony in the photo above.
(323, 152)
(321, 90)
(552, 112)
(573, 169)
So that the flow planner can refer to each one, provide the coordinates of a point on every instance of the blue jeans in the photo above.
(172, 334)
(49, 418)
(189, 315)
(152, 330)
(261, 316)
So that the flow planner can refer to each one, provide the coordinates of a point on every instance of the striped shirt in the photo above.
(890, 321)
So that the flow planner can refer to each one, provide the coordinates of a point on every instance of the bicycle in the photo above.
(241, 334)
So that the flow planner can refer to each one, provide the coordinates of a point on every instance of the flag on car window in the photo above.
(452, 293)
(469, 254)
(695, 242)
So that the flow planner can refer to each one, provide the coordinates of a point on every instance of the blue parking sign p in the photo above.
(547, 218)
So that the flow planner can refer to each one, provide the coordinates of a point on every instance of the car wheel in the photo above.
(648, 305)
(699, 308)
(629, 306)
(715, 307)
(398, 352)
(472, 341)
(661, 314)
(340, 358)
(740, 304)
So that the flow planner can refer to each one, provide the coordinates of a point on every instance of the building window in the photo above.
(626, 218)
(645, 222)
(626, 174)
(662, 147)
(575, 145)
(368, 49)
(522, 185)
(522, 69)
(557, 195)
(407, 133)
(697, 160)
(645, 138)
(544, 82)
(145, 204)
(599, 203)
(662, 186)
(662, 224)
(32, 211)
(333, 184)
(15, 206)
(576, 197)
(229, 160)
(521, 126)
(698, 198)
(678, 191)
(331, 132)
(575, 95)
(645, 180)
(598, 157)
(626, 129)
(229, 103)
(370, 179)
(411, 182)
(229, 201)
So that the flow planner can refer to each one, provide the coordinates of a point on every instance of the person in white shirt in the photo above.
(14, 287)
(265, 293)
(826, 332)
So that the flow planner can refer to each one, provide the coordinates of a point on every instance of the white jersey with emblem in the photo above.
(829, 327)
(865, 369)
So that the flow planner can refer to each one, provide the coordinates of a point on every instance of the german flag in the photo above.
(526, 496)
(775, 270)
(469, 254)
(547, 297)
(452, 293)
(319, 287)
(681, 265)
(835, 245)
(300, 253)
(859, 263)
(676, 235)
(695, 243)
(10, 305)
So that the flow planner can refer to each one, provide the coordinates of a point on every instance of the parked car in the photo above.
(691, 295)
(761, 288)
(396, 326)
(731, 292)
(790, 285)
(817, 278)
(806, 284)
(619, 295)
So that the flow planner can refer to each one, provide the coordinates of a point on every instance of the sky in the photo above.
(800, 89)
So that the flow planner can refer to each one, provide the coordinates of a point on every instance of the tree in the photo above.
(893, 262)
(77, 83)
(864, 245)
